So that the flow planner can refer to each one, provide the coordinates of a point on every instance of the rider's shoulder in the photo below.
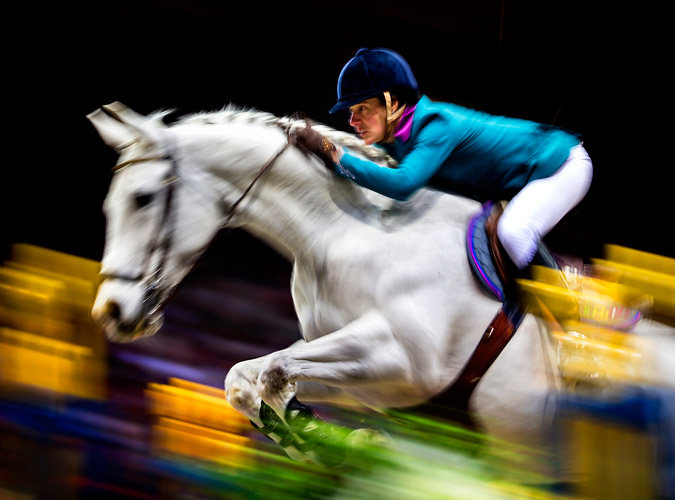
(431, 113)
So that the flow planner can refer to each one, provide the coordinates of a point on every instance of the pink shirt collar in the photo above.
(402, 132)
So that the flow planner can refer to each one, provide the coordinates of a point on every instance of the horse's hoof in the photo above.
(361, 439)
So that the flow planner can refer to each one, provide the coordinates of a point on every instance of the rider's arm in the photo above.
(431, 148)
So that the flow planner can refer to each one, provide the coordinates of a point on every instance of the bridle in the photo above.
(155, 295)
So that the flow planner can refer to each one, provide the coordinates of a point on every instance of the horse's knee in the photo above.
(518, 239)
(273, 377)
(274, 385)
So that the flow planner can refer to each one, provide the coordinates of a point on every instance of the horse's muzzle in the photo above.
(122, 328)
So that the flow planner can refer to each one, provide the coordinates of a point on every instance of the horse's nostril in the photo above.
(113, 311)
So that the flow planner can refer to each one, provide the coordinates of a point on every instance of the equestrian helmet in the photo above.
(371, 72)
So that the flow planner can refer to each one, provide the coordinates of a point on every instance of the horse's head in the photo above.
(159, 221)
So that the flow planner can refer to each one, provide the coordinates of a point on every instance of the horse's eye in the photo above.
(142, 199)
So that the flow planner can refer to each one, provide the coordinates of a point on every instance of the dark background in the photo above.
(595, 67)
(598, 68)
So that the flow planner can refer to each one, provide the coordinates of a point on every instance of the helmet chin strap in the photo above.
(391, 118)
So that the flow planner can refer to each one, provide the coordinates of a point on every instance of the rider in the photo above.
(543, 170)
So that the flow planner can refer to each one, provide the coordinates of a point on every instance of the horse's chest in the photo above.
(359, 272)
(329, 297)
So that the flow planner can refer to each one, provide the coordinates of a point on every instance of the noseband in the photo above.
(155, 295)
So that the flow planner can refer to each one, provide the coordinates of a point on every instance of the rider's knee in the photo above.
(519, 239)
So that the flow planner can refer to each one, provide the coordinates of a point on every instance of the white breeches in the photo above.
(540, 205)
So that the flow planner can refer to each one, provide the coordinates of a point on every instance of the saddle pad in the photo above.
(479, 254)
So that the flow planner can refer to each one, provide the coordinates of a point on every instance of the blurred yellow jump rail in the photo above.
(47, 340)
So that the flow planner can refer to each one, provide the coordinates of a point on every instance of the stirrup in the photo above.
(544, 269)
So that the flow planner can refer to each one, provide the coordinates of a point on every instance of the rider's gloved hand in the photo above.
(313, 142)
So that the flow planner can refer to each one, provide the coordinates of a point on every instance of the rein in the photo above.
(262, 171)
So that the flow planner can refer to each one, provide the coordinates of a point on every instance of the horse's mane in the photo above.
(234, 114)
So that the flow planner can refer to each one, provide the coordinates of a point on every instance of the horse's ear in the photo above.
(113, 132)
(124, 114)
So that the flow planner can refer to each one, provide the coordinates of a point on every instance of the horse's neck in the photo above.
(297, 204)
(290, 207)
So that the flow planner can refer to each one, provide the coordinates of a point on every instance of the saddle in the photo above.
(486, 256)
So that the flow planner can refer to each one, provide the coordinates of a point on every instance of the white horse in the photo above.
(388, 308)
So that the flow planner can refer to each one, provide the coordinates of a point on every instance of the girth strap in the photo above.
(492, 343)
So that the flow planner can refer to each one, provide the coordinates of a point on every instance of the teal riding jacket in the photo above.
(465, 151)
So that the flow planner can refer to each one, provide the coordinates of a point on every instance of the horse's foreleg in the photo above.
(242, 393)
(362, 352)
(241, 390)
